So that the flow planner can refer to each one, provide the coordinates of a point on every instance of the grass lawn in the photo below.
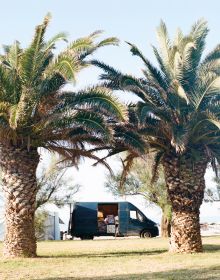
(114, 259)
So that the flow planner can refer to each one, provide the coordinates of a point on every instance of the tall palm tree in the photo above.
(36, 110)
(178, 116)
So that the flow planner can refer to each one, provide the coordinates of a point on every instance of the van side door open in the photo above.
(106, 214)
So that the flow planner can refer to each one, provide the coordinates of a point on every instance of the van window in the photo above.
(140, 217)
(133, 214)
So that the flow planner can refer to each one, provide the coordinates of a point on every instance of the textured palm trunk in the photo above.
(165, 227)
(185, 184)
(20, 188)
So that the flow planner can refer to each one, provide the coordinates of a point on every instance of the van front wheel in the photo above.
(146, 234)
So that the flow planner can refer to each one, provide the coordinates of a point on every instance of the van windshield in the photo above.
(136, 215)
(140, 216)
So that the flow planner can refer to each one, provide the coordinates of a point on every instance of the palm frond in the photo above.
(99, 98)
(30, 57)
(165, 46)
(50, 44)
(128, 138)
(155, 166)
(127, 165)
(153, 72)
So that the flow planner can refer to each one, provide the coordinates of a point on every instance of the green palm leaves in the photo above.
(179, 100)
(35, 107)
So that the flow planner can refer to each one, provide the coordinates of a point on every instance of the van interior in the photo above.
(106, 217)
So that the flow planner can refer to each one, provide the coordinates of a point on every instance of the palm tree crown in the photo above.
(179, 101)
(35, 108)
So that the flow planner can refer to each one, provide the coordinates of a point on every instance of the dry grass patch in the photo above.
(114, 259)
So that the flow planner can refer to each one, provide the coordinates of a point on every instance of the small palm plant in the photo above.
(178, 116)
(36, 110)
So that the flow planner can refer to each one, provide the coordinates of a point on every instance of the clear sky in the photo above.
(133, 21)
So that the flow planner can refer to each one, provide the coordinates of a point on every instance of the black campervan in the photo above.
(89, 219)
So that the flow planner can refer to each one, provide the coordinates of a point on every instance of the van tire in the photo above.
(146, 234)
(86, 237)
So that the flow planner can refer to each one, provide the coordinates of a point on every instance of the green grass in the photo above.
(126, 259)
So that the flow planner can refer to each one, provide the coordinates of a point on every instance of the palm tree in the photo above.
(36, 110)
(178, 116)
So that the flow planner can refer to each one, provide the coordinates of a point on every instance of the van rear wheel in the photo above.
(146, 234)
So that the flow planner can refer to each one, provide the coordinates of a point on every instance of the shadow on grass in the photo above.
(212, 272)
(211, 248)
(107, 254)
(207, 248)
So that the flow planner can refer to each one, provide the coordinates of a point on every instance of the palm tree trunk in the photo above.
(185, 184)
(165, 227)
(20, 188)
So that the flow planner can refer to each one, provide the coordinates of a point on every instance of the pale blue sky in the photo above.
(133, 21)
